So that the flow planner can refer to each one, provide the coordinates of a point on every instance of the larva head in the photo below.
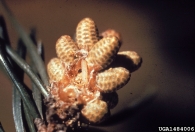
(55, 69)
(95, 111)
(86, 34)
(103, 52)
(66, 49)
(112, 79)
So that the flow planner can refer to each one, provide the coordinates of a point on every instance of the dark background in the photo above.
(161, 92)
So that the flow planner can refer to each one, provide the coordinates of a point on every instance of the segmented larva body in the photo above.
(55, 69)
(66, 49)
(86, 34)
(112, 79)
(103, 52)
(95, 111)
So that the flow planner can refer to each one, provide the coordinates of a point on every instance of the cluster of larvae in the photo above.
(85, 70)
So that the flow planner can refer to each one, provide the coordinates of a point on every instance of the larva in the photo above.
(103, 52)
(66, 49)
(112, 79)
(95, 111)
(86, 34)
(55, 70)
